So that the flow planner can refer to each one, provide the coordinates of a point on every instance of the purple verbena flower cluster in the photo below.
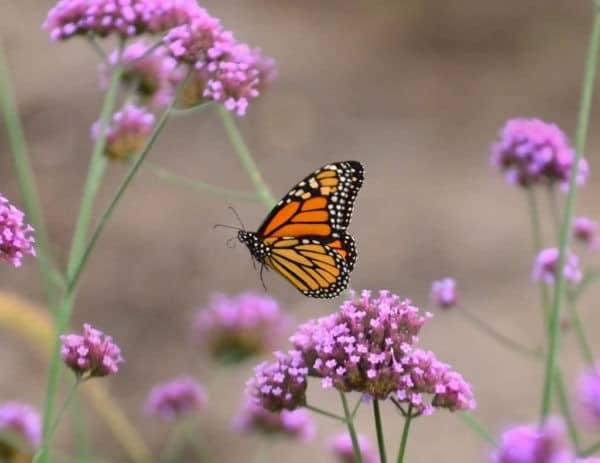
(532, 444)
(234, 328)
(531, 151)
(588, 397)
(127, 132)
(175, 398)
(16, 238)
(443, 293)
(280, 385)
(125, 18)
(586, 231)
(296, 424)
(368, 347)
(21, 422)
(91, 354)
(342, 449)
(546, 262)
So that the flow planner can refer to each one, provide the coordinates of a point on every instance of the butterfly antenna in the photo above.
(237, 216)
(220, 225)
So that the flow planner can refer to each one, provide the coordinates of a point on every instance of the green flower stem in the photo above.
(357, 406)
(563, 401)
(559, 287)
(589, 277)
(501, 338)
(177, 442)
(351, 430)
(536, 234)
(589, 451)
(404, 440)
(64, 406)
(25, 177)
(379, 429)
(554, 208)
(63, 314)
(79, 427)
(97, 47)
(243, 153)
(158, 127)
(472, 422)
(198, 186)
(584, 345)
(324, 412)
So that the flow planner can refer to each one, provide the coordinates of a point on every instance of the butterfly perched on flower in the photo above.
(304, 237)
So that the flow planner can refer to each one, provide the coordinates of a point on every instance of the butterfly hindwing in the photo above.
(314, 268)
(319, 205)
(346, 246)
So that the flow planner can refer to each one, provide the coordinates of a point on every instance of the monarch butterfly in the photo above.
(304, 237)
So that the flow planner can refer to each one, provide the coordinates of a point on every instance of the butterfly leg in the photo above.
(262, 267)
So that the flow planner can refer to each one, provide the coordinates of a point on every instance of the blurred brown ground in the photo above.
(416, 90)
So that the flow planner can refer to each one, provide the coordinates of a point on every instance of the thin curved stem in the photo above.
(65, 308)
(563, 402)
(320, 411)
(476, 426)
(198, 186)
(25, 177)
(64, 406)
(575, 319)
(243, 153)
(559, 287)
(536, 235)
(501, 338)
(379, 430)
(404, 440)
(357, 406)
(351, 430)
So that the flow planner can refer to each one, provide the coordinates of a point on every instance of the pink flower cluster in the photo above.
(342, 449)
(586, 231)
(280, 385)
(368, 347)
(15, 235)
(92, 354)
(296, 424)
(588, 397)
(125, 18)
(22, 422)
(127, 132)
(234, 328)
(531, 151)
(546, 262)
(175, 398)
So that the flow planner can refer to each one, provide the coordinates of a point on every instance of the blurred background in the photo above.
(416, 90)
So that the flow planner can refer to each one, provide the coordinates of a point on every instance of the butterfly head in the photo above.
(256, 246)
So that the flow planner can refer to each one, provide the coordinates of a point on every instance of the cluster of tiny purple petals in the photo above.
(127, 133)
(175, 398)
(92, 354)
(586, 231)
(531, 151)
(16, 239)
(342, 449)
(280, 385)
(588, 397)
(530, 444)
(154, 73)
(296, 424)
(126, 18)
(368, 347)
(22, 422)
(546, 262)
(443, 293)
(241, 326)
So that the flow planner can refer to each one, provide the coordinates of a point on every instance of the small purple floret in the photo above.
(443, 293)
(546, 263)
(16, 239)
(342, 449)
(21, 422)
(175, 398)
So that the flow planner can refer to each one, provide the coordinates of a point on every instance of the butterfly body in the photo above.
(304, 237)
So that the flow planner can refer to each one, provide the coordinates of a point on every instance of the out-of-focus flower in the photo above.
(20, 429)
(341, 448)
(175, 398)
(253, 418)
(235, 328)
(546, 262)
(279, 385)
(16, 238)
(530, 444)
(93, 354)
(368, 347)
(531, 151)
(588, 397)
(586, 230)
(127, 18)
(153, 73)
(443, 293)
(127, 133)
